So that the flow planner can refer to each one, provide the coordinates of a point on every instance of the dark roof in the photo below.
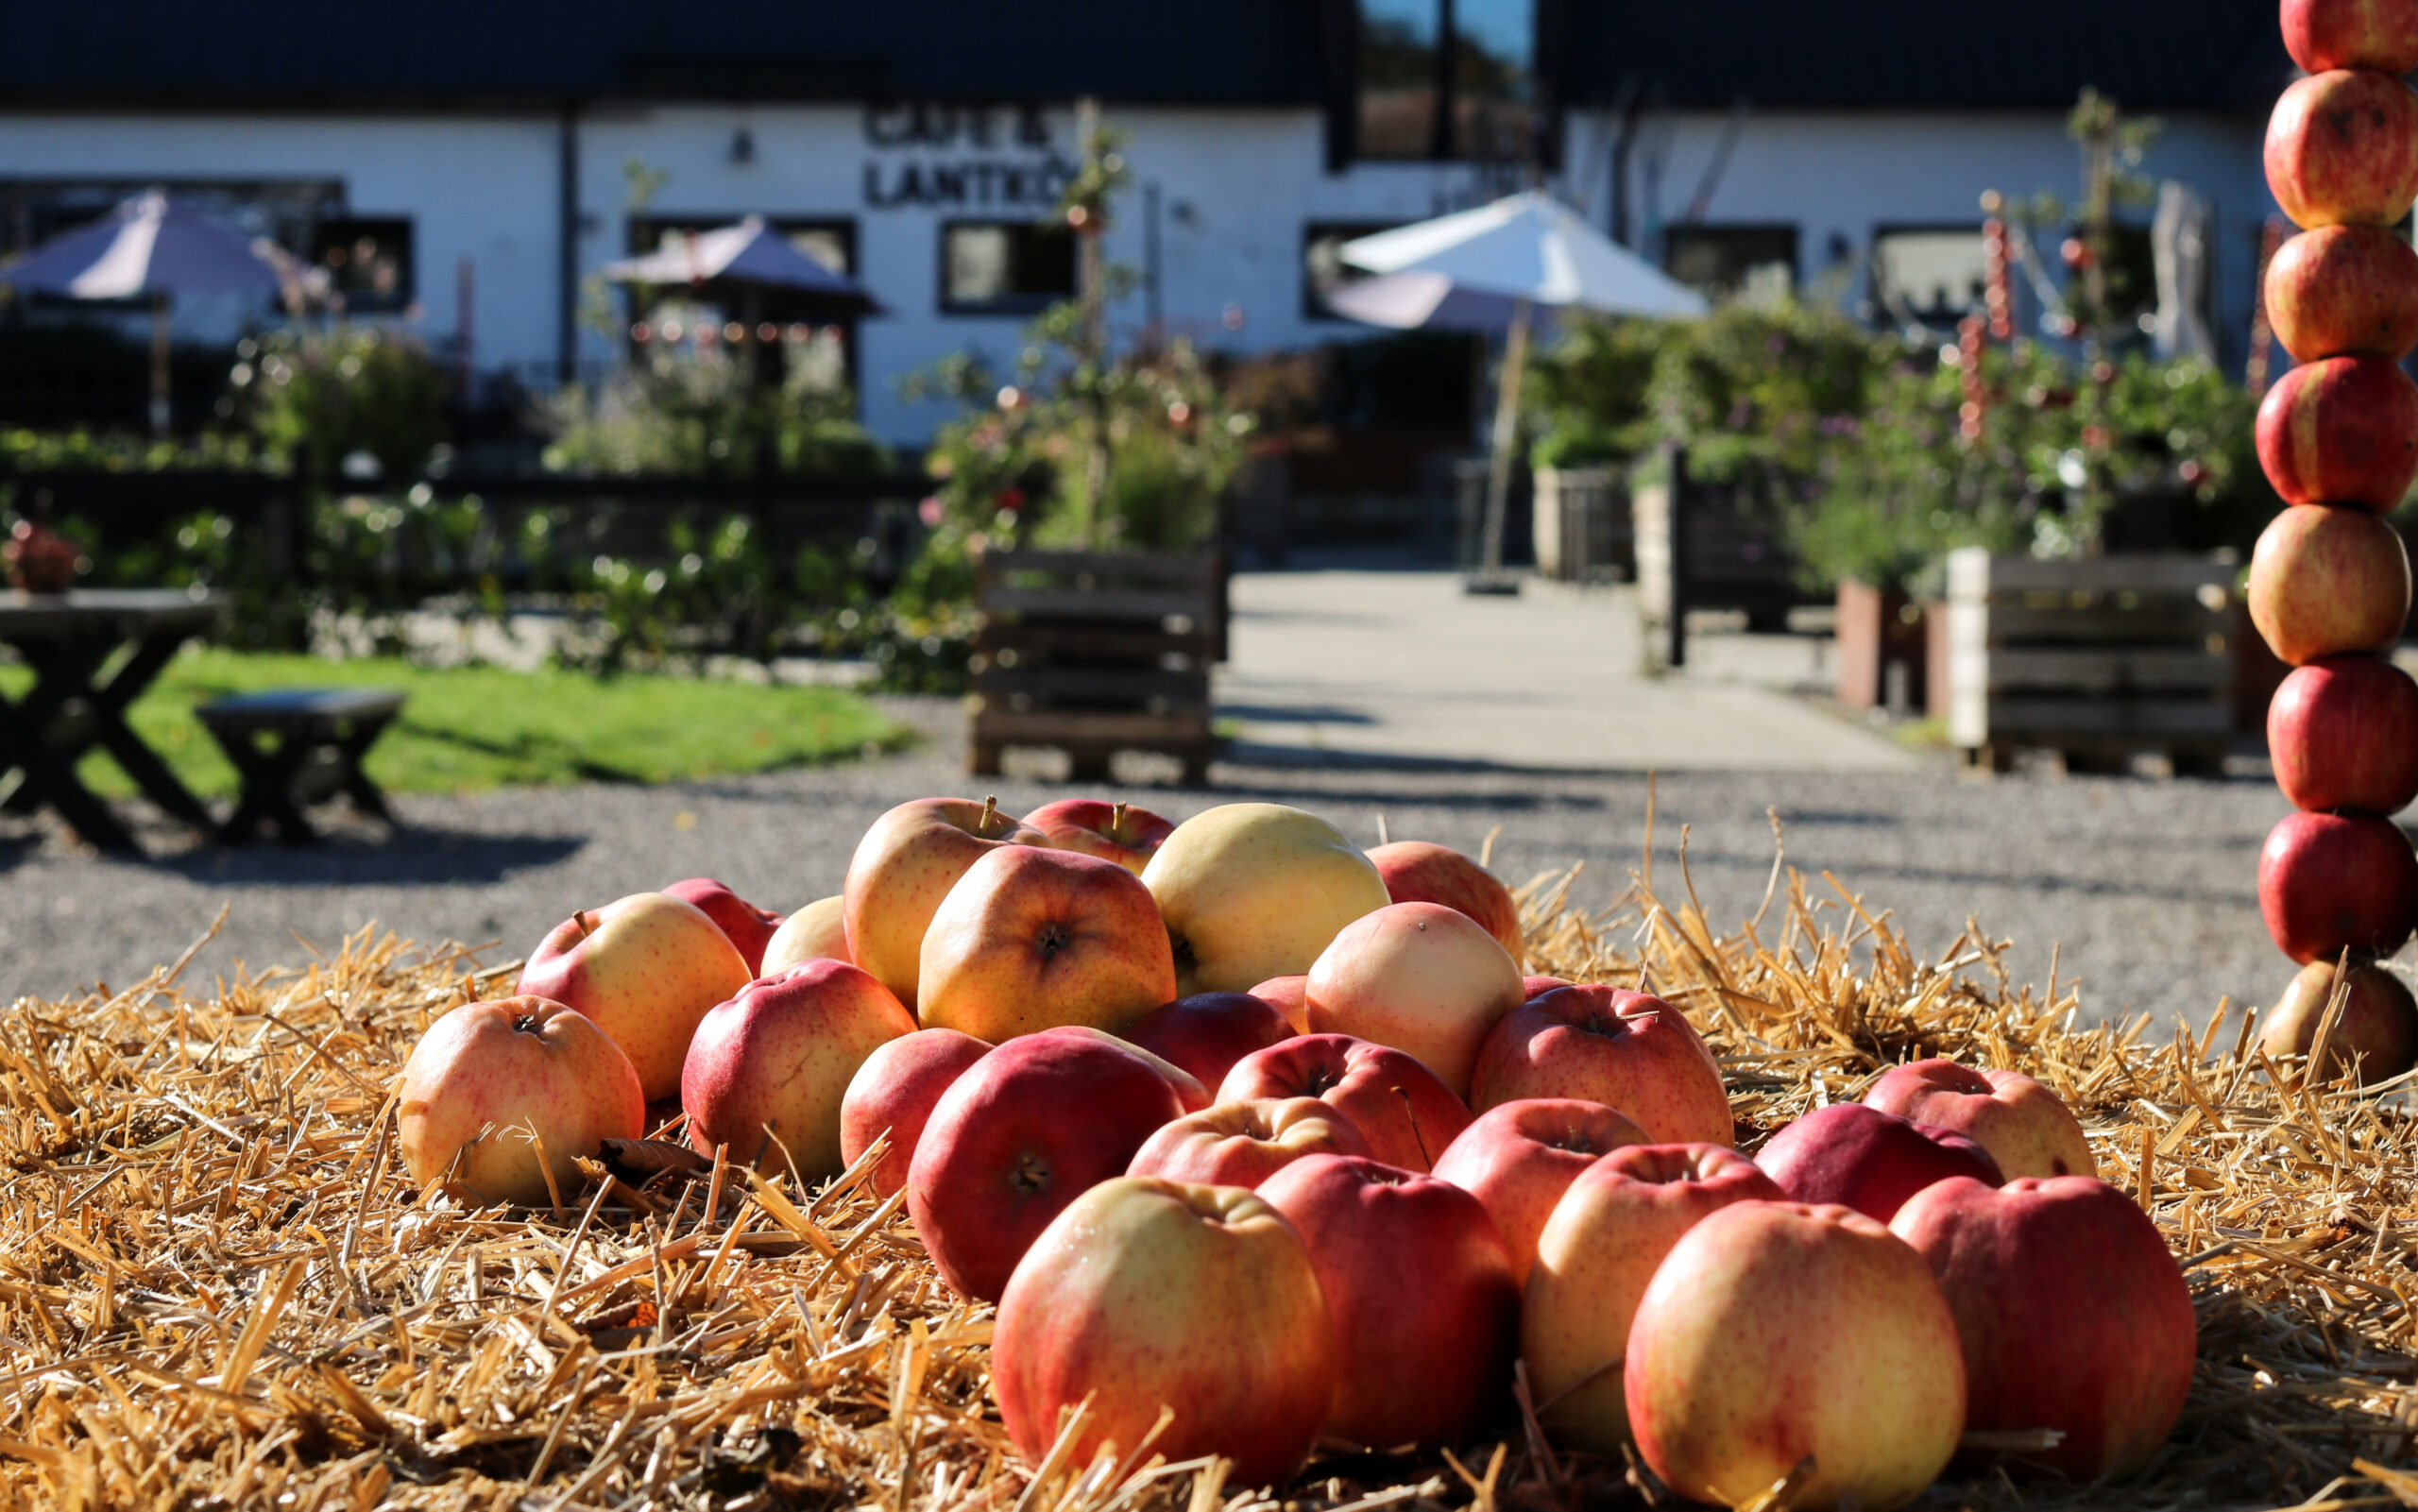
(2147, 54)
(308, 51)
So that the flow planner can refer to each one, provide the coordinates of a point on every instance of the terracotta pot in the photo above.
(1880, 629)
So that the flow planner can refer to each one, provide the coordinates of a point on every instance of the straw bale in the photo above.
(218, 1288)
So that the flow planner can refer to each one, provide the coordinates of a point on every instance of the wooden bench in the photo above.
(296, 747)
(1092, 652)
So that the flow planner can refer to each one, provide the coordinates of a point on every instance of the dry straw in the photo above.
(218, 1288)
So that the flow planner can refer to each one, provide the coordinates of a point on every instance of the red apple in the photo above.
(489, 1083)
(747, 927)
(1416, 872)
(894, 1092)
(2376, 34)
(2072, 1315)
(1535, 987)
(1207, 1032)
(2344, 291)
(2342, 733)
(2328, 882)
(1405, 1114)
(1868, 1159)
(1114, 832)
(1022, 1133)
(1517, 1158)
(645, 969)
(1031, 939)
(819, 931)
(1254, 891)
(2027, 1129)
(1289, 996)
(1419, 1286)
(2342, 148)
(1147, 1294)
(1775, 1332)
(1419, 977)
(1189, 1089)
(905, 865)
(1623, 1049)
(2327, 580)
(1594, 1259)
(2377, 1032)
(2343, 431)
(768, 1070)
(1243, 1143)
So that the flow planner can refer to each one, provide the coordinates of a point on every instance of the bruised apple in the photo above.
(1419, 977)
(1416, 871)
(2325, 580)
(2342, 148)
(1517, 1158)
(894, 1092)
(819, 931)
(1114, 832)
(491, 1085)
(2344, 291)
(1031, 939)
(2377, 1033)
(769, 1070)
(644, 969)
(1405, 1114)
(903, 867)
(1243, 1143)
(1256, 890)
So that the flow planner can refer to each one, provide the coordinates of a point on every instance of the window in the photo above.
(1753, 264)
(1005, 267)
(367, 261)
(1446, 79)
(1932, 276)
(1323, 270)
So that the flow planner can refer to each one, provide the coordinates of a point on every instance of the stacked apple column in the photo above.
(2329, 581)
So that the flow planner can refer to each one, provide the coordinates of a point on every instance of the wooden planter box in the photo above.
(1581, 525)
(1725, 553)
(2100, 659)
(1883, 648)
(1092, 653)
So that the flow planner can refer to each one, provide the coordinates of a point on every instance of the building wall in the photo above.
(1235, 191)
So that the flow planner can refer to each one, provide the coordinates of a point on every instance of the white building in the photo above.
(491, 158)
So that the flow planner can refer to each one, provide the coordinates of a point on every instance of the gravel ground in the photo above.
(2146, 886)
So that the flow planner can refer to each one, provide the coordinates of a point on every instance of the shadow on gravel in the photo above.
(430, 857)
(1252, 757)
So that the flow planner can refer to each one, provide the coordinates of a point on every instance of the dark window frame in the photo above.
(1344, 27)
(1014, 305)
(1883, 229)
(336, 229)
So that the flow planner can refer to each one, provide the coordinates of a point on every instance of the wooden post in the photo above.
(1682, 562)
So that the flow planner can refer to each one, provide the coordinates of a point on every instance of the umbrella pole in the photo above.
(159, 365)
(1506, 435)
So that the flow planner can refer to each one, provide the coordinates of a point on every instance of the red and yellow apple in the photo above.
(2327, 579)
(1406, 1116)
(1146, 1294)
(1289, 995)
(1775, 1333)
(1416, 872)
(2027, 1129)
(894, 1092)
(1243, 1143)
(644, 969)
(1419, 1289)
(1208, 1033)
(819, 931)
(1256, 890)
(747, 927)
(1419, 977)
(2332, 882)
(2342, 148)
(2344, 291)
(2374, 34)
(1031, 939)
(1594, 1258)
(1022, 1133)
(768, 1071)
(1517, 1158)
(2072, 1314)
(1538, 986)
(1623, 1049)
(1859, 1157)
(2342, 431)
(1114, 832)
(903, 867)
(490, 1084)
(2377, 1032)
(2342, 733)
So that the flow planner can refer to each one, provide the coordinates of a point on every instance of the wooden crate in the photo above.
(2100, 659)
(1092, 653)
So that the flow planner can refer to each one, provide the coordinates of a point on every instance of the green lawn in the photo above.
(472, 729)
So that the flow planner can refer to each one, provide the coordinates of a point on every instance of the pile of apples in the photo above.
(1237, 1123)
(2329, 582)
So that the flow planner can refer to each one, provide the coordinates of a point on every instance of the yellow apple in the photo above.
(819, 931)
(645, 969)
(1256, 890)
(903, 867)
(490, 1083)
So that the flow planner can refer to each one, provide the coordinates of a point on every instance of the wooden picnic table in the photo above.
(93, 653)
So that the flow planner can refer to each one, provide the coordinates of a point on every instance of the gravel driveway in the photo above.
(2148, 887)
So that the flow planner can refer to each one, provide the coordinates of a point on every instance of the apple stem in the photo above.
(990, 814)
(580, 919)
(1117, 821)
